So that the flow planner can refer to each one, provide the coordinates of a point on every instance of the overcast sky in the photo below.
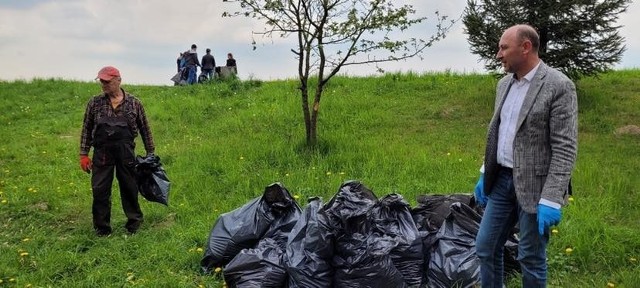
(73, 39)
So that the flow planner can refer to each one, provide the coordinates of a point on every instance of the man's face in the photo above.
(510, 51)
(110, 87)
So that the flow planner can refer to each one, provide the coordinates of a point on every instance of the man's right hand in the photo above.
(85, 163)
(481, 198)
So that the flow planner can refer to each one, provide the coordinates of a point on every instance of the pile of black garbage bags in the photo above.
(354, 240)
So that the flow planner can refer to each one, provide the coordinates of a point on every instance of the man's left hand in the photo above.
(547, 217)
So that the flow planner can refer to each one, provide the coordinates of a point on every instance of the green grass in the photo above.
(222, 143)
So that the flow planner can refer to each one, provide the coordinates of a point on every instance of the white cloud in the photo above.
(72, 39)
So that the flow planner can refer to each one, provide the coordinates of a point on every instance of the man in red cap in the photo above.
(112, 121)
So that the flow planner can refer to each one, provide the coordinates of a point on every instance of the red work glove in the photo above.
(85, 163)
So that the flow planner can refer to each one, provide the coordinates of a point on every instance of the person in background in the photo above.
(208, 64)
(180, 62)
(530, 154)
(112, 121)
(230, 61)
(192, 62)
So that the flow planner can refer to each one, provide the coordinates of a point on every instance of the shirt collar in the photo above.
(124, 95)
(527, 78)
(532, 73)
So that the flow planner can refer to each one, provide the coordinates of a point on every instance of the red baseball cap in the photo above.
(107, 73)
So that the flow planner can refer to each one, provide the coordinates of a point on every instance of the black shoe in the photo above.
(133, 226)
(103, 232)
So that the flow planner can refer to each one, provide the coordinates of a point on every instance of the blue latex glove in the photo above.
(481, 198)
(547, 217)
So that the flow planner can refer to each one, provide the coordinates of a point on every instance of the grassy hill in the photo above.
(221, 144)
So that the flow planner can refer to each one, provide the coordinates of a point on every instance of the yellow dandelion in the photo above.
(23, 254)
(1, 281)
(217, 270)
(448, 154)
(44, 152)
(200, 286)
(568, 250)
(192, 249)
(12, 280)
(611, 285)
(286, 174)
(296, 196)
(571, 199)
(241, 158)
(199, 249)
(554, 231)
(30, 189)
(4, 201)
(633, 260)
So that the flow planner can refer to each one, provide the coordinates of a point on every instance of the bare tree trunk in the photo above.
(315, 113)
(304, 94)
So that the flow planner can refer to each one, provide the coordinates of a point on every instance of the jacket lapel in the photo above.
(503, 90)
(532, 93)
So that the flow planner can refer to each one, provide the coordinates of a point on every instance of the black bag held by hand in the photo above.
(152, 180)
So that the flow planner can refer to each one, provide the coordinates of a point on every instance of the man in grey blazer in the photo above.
(531, 151)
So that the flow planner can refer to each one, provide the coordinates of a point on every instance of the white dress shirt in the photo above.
(509, 117)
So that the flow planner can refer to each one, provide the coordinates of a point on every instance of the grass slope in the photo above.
(221, 144)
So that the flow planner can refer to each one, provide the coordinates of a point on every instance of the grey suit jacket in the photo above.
(546, 140)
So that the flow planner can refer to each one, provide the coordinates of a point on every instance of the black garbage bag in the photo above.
(153, 183)
(260, 267)
(433, 209)
(243, 227)
(286, 212)
(431, 212)
(310, 249)
(364, 261)
(429, 215)
(362, 257)
(347, 210)
(392, 217)
(453, 261)
(510, 256)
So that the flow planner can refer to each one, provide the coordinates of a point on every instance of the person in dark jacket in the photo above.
(192, 62)
(208, 64)
(230, 61)
(112, 121)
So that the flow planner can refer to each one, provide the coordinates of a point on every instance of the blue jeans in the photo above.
(208, 72)
(192, 78)
(501, 214)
